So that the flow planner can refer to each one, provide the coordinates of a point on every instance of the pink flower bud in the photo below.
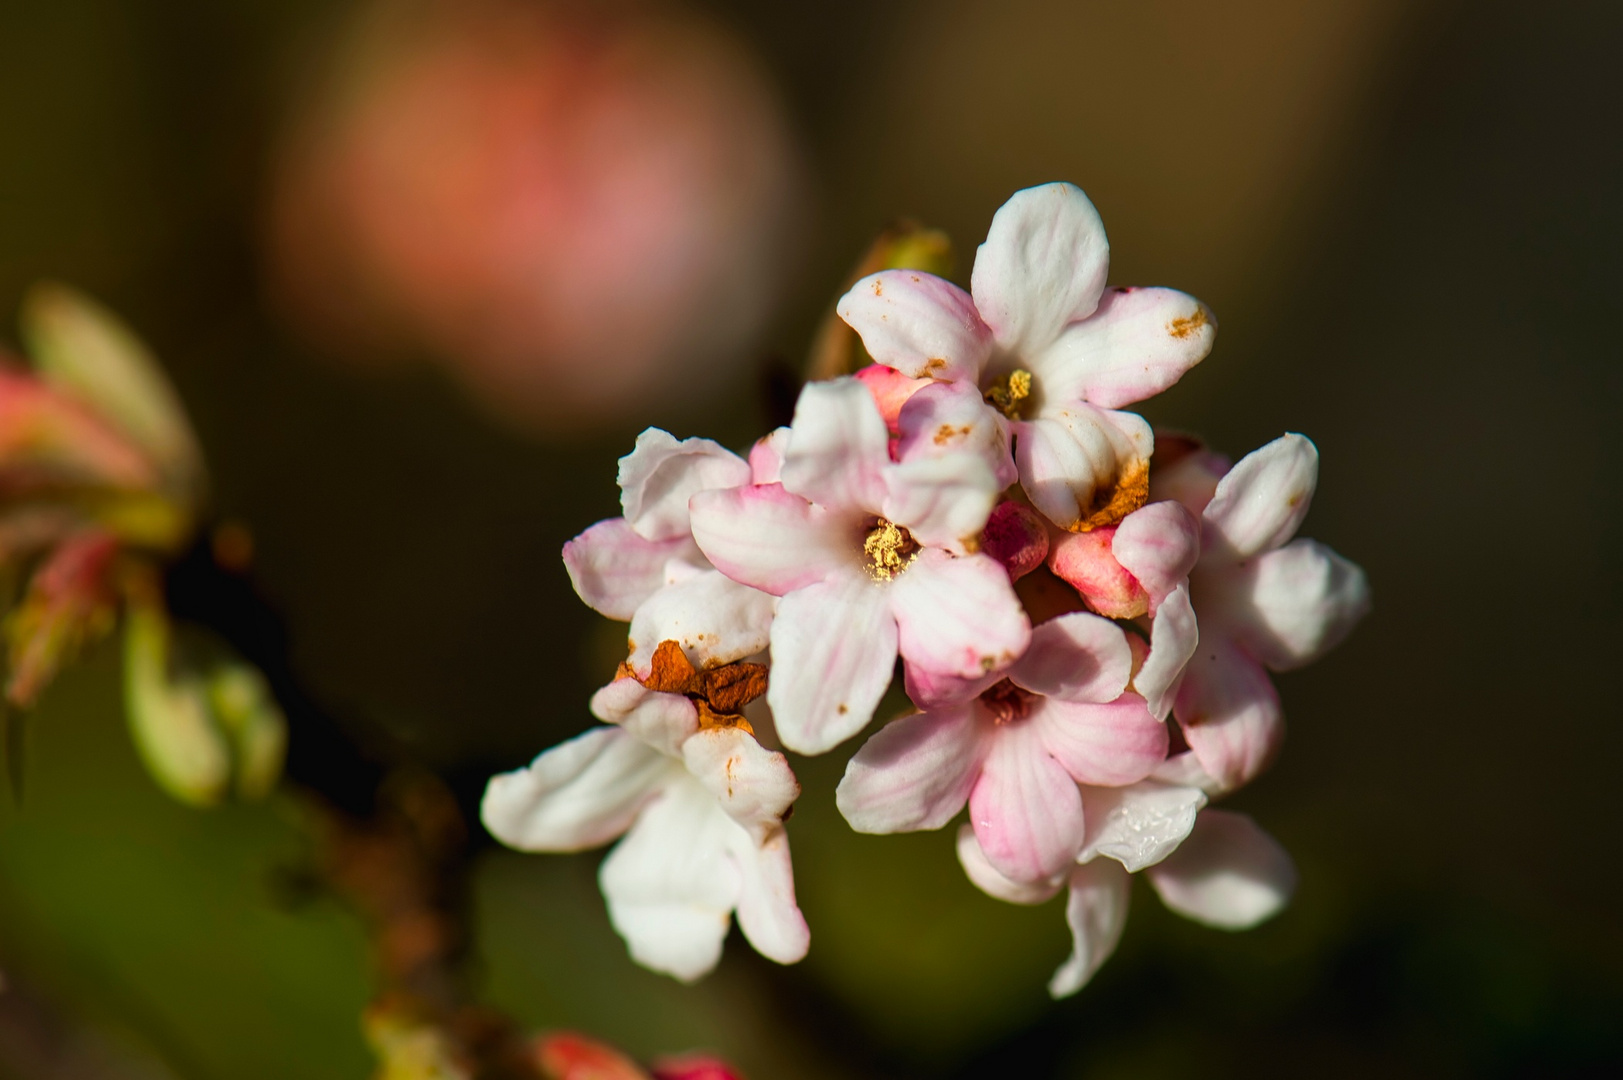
(1016, 537)
(1086, 562)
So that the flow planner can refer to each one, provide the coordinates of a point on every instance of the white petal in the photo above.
(659, 476)
(949, 418)
(1075, 657)
(766, 456)
(1303, 600)
(671, 885)
(1043, 265)
(614, 570)
(1228, 874)
(754, 785)
(1261, 502)
(771, 539)
(1138, 343)
(833, 649)
(1183, 770)
(1096, 911)
(577, 795)
(985, 877)
(838, 447)
(1070, 459)
(713, 618)
(957, 616)
(662, 721)
(1174, 637)
(913, 773)
(918, 324)
(943, 502)
(1185, 471)
(1138, 825)
(767, 912)
(1158, 544)
(1229, 712)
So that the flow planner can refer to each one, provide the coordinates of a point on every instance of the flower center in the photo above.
(1008, 392)
(889, 549)
(1007, 702)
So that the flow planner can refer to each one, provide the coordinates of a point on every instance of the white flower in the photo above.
(871, 557)
(1043, 339)
(701, 805)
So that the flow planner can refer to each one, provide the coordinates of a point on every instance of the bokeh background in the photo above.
(422, 270)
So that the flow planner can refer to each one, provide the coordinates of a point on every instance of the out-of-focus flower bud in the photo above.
(694, 1068)
(68, 603)
(566, 1056)
(201, 728)
(86, 352)
(581, 209)
(906, 245)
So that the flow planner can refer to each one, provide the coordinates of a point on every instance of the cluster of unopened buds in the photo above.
(1085, 615)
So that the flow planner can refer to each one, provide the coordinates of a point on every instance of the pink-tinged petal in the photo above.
(1158, 544)
(671, 885)
(661, 721)
(914, 773)
(754, 785)
(838, 447)
(614, 570)
(1185, 471)
(1074, 460)
(1043, 265)
(1016, 537)
(1174, 636)
(1115, 744)
(1075, 657)
(577, 795)
(949, 419)
(1261, 502)
(934, 689)
(985, 877)
(1096, 911)
(1302, 600)
(1138, 343)
(943, 502)
(890, 390)
(659, 476)
(712, 617)
(1138, 825)
(767, 911)
(771, 539)
(919, 324)
(1228, 874)
(1087, 563)
(833, 650)
(1229, 712)
(1025, 807)
(766, 457)
(957, 616)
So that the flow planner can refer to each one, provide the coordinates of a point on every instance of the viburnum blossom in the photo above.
(644, 567)
(1058, 589)
(1213, 866)
(1061, 716)
(871, 557)
(701, 804)
(1056, 352)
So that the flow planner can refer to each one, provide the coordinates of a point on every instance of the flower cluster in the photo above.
(1084, 617)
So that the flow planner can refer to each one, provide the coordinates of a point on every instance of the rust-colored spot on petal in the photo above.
(879, 288)
(933, 365)
(1111, 503)
(946, 433)
(1182, 328)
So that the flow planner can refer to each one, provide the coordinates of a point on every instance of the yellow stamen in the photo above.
(890, 548)
(1009, 391)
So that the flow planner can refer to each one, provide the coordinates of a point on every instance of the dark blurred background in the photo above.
(422, 270)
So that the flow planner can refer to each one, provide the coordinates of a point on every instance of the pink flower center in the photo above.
(1007, 702)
